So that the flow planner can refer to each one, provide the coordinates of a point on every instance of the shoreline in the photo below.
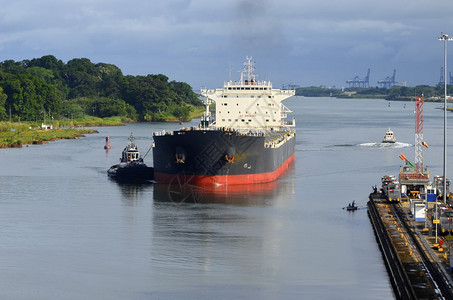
(39, 137)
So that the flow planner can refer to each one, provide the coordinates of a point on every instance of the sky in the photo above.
(204, 43)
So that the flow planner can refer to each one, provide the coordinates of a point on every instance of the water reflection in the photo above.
(218, 232)
(132, 191)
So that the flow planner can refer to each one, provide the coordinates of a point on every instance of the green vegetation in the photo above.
(313, 91)
(46, 88)
(16, 134)
(395, 93)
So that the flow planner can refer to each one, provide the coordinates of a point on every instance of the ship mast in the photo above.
(207, 114)
(249, 68)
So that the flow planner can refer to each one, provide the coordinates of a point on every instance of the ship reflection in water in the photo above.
(218, 234)
(184, 193)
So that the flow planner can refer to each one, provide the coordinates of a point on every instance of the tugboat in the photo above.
(389, 137)
(131, 167)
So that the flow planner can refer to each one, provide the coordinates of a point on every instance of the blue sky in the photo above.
(304, 42)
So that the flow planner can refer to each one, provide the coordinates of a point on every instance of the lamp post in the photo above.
(444, 37)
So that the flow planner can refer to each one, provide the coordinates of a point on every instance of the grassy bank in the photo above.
(195, 112)
(90, 121)
(15, 135)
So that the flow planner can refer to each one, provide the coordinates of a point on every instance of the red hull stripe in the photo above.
(224, 179)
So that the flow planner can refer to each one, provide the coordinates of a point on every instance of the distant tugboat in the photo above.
(389, 137)
(131, 167)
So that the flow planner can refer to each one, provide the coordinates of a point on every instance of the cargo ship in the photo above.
(247, 140)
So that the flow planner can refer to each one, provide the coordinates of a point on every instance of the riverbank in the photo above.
(17, 138)
(17, 134)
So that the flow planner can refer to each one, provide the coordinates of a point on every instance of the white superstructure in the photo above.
(249, 104)
(389, 137)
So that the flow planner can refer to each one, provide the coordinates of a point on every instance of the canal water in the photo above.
(68, 232)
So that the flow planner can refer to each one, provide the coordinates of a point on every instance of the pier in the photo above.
(419, 268)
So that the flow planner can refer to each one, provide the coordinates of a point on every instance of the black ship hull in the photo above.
(212, 157)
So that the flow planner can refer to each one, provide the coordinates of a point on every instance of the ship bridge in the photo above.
(249, 104)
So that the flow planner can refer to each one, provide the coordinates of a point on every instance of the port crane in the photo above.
(357, 82)
(388, 82)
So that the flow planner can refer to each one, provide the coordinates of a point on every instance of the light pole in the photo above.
(444, 37)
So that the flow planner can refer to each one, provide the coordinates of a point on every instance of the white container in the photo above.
(419, 212)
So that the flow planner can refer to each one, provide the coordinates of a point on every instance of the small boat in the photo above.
(131, 167)
(351, 206)
(389, 137)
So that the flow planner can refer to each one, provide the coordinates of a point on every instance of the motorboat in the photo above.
(389, 137)
(351, 206)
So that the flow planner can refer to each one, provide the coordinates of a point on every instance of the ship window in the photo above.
(223, 120)
(267, 120)
(225, 104)
(243, 120)
(257, 104)
(235, 120)
(269, 96)
(250, 120)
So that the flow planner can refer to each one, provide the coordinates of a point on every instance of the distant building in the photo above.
(46, 127)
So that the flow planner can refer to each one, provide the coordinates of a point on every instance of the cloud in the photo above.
(197, 40)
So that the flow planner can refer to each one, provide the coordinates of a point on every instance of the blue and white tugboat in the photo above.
(131, 167)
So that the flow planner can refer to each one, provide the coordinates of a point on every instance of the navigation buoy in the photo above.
(107, 140)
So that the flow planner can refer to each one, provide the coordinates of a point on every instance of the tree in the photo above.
(3, 114)
(47, 84)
